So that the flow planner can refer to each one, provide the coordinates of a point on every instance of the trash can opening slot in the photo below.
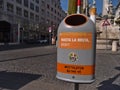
(75, 20)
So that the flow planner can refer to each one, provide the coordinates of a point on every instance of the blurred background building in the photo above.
(29, 19)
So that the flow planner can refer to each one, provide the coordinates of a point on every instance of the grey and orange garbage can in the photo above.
(76, 49)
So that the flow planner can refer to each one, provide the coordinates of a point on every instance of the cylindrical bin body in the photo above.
(76, 46)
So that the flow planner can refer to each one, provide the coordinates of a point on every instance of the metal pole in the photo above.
(86, 7)
(119, 36)
(49, 38)
(53, 29)
(18, 34)
(78, 6)
(50, 31)
(106, 38)
(76, 86)
(22, 35)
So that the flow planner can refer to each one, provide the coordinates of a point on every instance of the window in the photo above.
(48, 6)
(55, 4)
(26, 3)
(58, 13)
(1, 4)
(42, 19)
(51, 9)
(42, 1)
(32, 16)
(52, 16)
(32, 6)
(37, 1)
(47, 21)
(18, 11)
(37, 9)
(55, 11)
(48, 14)
(25, 13)
(36, 17)
(42, 10)
(10, 7)
(19, 1)
(55, 17)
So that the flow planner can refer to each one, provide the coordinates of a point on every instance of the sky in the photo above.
(64, 4)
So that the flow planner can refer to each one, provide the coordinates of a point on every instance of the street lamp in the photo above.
(53, 30)
(49, 29)
(53, 34)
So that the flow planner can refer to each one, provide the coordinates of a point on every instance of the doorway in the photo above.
(5, 31)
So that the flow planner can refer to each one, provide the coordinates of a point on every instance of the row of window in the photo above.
(26, 1)
(53, 10)
(10, 7)
(32, 5)
(55, 17)
(48, 6)
(26, 14)
(32, 15)
(1, 4)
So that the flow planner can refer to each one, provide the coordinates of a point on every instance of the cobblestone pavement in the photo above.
(35, 69)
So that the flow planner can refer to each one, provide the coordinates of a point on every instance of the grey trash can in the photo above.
(76, 49)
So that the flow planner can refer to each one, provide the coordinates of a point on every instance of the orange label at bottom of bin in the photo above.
(76, 69)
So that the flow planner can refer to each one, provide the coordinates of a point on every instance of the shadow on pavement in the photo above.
(108, 52)
(20, 46)
(20, 58)
(15, 80)
(118, 68)
(108, 84)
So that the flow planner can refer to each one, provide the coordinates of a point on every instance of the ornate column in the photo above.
(105, 8)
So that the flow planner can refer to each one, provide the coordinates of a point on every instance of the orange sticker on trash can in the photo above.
(75, 40)
(76, 69)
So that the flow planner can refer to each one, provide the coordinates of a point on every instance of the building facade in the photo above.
(28, 19)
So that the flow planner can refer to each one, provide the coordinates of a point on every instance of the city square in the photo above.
(59, 45)
(35, 68)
